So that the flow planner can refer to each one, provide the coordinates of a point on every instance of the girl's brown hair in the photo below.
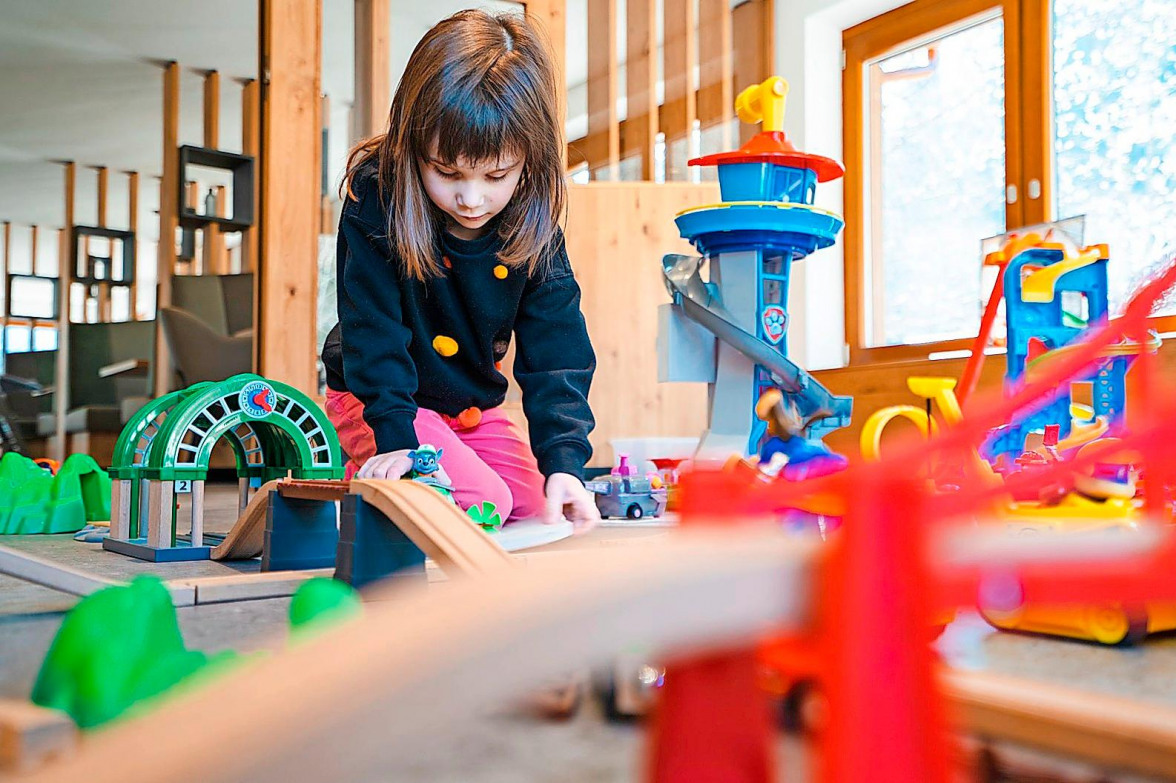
(480, 87)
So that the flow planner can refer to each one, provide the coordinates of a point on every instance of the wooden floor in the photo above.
(512, 747)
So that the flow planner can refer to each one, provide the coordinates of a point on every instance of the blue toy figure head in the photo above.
(425, 459)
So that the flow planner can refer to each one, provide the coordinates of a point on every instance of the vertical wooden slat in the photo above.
(214, 255)
(33, 231)
(1036, 70)
(194, 199)
(751, 59)
(104, 311)
(551, 16)
(641, 84)
(1014, 111)
(373, 78)
(291, 48)
(716, 98)
(602, 82)
(64, 277)
(169, 188)
(681, 57)
(854, 203)
(7, 270)
(251, 145)
(133, 227)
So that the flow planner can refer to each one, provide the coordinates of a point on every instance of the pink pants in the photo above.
(490, 461)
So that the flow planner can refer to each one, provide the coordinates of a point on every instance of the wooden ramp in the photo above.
(247, 537)
(244, 541)
(442, 530)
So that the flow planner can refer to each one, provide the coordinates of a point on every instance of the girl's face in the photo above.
(470, 193)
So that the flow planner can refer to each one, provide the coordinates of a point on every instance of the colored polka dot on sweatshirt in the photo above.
(500, 272)
(446, 346)
(446, 262)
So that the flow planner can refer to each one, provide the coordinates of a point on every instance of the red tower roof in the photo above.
(774, 147)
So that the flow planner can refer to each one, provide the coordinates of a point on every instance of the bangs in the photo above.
(474, 125)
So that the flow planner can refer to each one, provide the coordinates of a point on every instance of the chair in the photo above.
(199, 352)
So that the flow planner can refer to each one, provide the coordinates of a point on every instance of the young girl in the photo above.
(448, 244)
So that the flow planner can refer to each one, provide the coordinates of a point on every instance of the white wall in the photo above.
(808, 55)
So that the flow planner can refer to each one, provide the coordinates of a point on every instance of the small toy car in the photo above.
(627, 496)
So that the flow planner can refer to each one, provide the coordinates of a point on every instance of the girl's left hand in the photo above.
(566, 495)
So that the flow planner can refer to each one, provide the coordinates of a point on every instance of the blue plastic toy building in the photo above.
(729, 331)
(1051, 298)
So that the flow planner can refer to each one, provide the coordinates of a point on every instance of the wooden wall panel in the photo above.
(552, 18)
(616, 237)
(291, 50)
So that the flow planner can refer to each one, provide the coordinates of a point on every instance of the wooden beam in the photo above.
(133, 226)
(104, 311)
(602, 82)
(215, 256)
(373, 77)
(7, 270)
(64, 278)
(251, 145)
(285, 341)
(681, 58)
(551, 16)
(753, 59)
(641, 85)
(716, 67)
(169, 190)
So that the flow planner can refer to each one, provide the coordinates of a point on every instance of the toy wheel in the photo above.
(1116, 625)
(635, 512)
(792, 709)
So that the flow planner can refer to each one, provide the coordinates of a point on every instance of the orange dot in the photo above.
(500, 272)
(446, 346)
(446, 262)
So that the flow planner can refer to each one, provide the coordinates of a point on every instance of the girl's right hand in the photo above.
(391, 465)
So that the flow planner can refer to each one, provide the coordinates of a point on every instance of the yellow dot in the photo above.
(500, 272)
(446, 346)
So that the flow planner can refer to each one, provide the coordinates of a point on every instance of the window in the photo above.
(964, 117)
(1114, 109)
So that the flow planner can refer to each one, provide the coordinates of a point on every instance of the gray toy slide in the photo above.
(701, 304)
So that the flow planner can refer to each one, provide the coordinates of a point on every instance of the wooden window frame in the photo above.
(1028, 138)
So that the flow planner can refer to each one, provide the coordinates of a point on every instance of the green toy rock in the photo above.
(114, 649)
(120, 649)
(34, 501)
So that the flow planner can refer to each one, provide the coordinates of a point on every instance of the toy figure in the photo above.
(426, 468)
(787, 453)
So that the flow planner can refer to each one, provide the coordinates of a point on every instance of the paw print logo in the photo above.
(775, 322)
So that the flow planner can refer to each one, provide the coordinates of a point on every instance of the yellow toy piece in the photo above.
(764, 102)
(871, 438)
(1039, 286)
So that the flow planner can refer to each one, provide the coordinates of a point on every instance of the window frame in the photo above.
(1028, 136)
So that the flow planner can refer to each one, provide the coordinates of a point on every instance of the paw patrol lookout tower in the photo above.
(729, 330)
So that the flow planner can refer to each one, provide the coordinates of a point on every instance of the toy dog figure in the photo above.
(788, 453)
(426, 468)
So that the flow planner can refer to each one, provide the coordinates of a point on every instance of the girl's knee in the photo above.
(490, 489)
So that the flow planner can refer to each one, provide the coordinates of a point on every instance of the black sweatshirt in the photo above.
(386, 350)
